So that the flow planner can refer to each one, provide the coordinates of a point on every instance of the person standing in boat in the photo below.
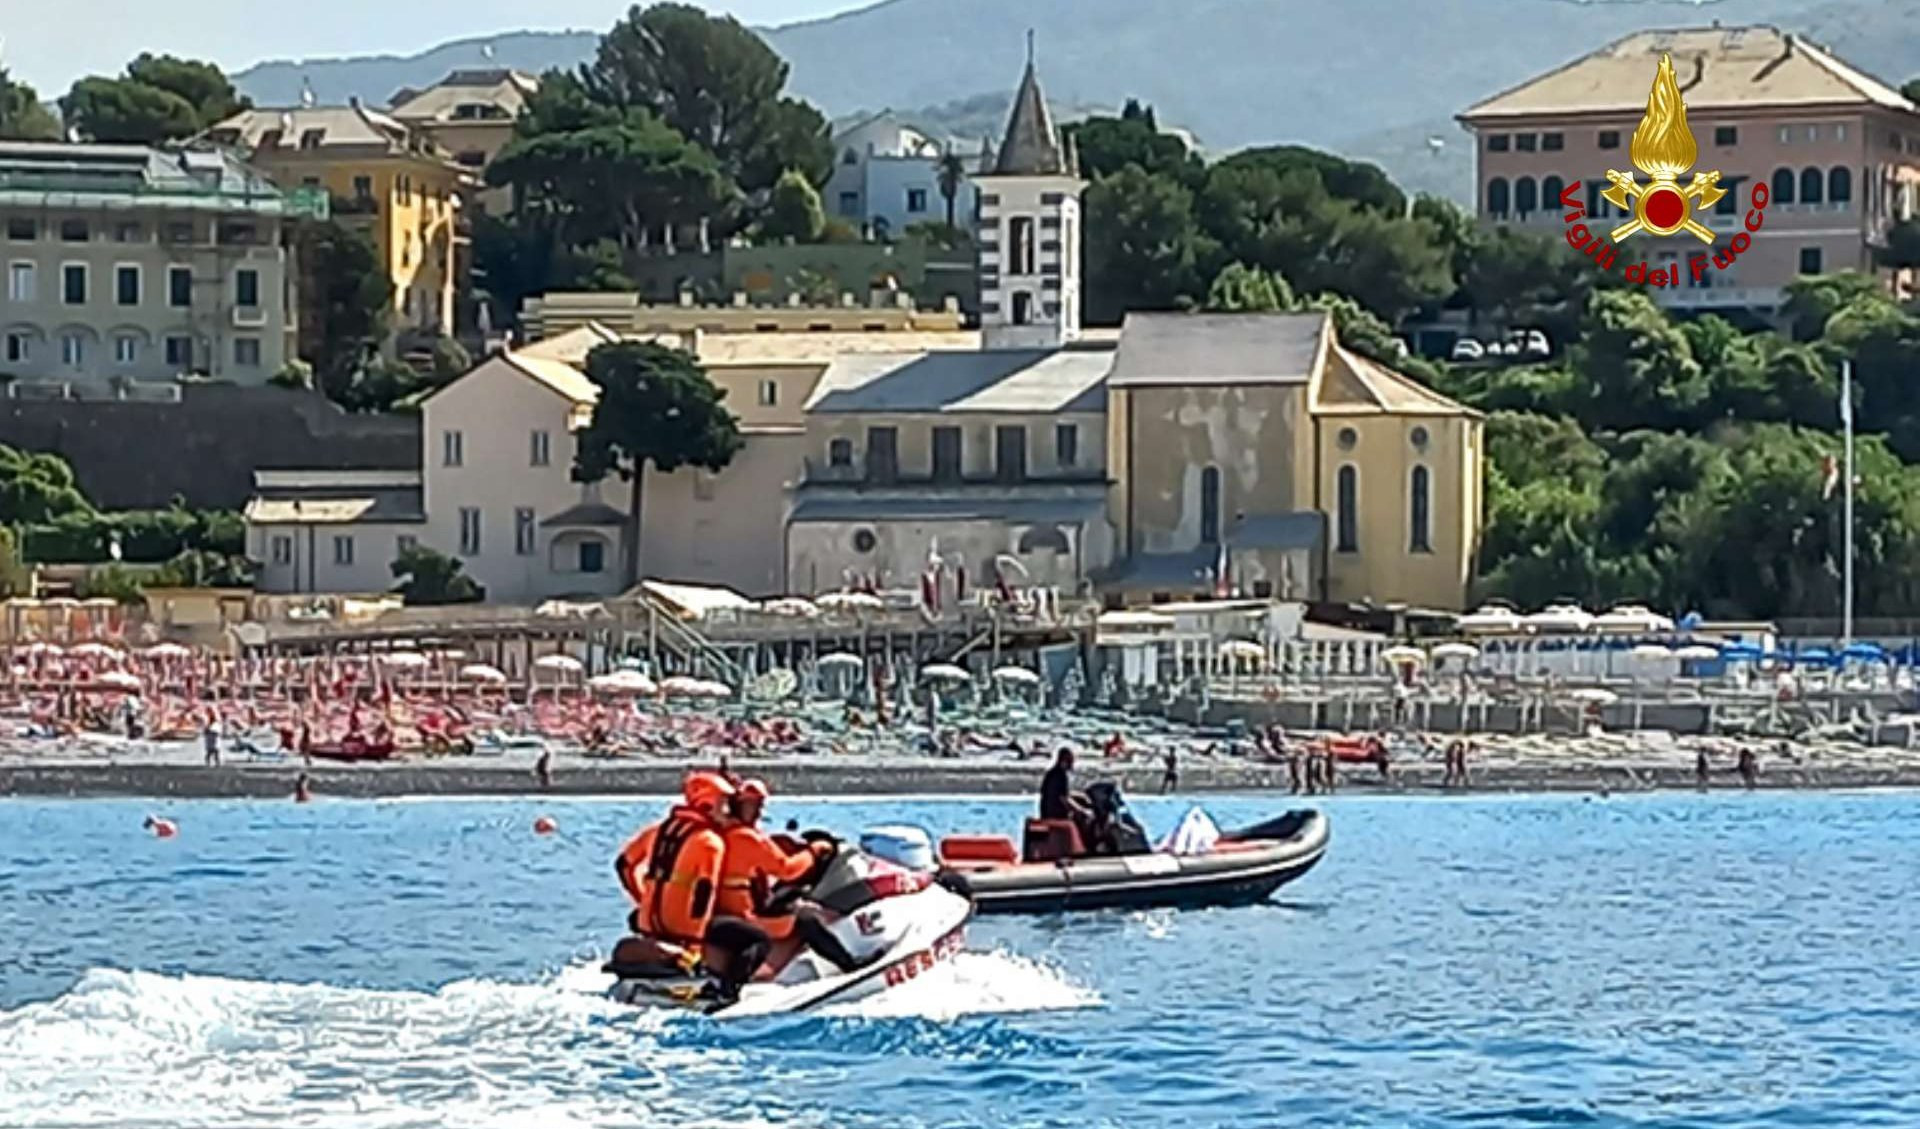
(1057, 800)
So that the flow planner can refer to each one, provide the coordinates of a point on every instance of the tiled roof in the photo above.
(504, 90)
(202, 177)
(1031, 146)
(995, 380)
(1351, 384)
(1213, 349)
(1717, 67)
(1061, 505)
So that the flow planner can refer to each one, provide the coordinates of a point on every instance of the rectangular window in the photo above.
(1010, 453)
(840, 453)
(1526, 142)
(769, 393)
(73, 284)
(1726, 135)
(916, 199)
(1729, 204)
(593, 556)
(453, 448)
(179, 287)
(1810, 260)
(849, 204)
(312, 138)
(342, 549)
(282, 549)
(469, 531)
(1066, 444)
(246, 352)
(539, 449)
(1840, 131)
(246, 289)
(74, 231)
(1786, 134)
(1608, 139)
(22, 282)
(126, 349)
(126, 285)
(523, 531)
(1498, 143)
(363, 188)
(883, 454)
(946, 454)
(1553, 142)
(19, 351)
(180, 353)
(73, 350)
(128, 233)
(22, 230)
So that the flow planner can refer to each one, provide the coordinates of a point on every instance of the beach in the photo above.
(1499, 764)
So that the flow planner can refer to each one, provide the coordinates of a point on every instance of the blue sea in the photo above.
(1721, 960)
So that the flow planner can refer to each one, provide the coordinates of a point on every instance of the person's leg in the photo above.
(742, 947)
(813, 929)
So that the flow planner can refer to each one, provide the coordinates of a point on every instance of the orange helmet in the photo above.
(707, 792)
(753, 788)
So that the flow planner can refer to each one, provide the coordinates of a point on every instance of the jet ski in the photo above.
(1059, 869)
(902, 921)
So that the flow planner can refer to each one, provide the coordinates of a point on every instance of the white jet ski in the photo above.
(903, 921)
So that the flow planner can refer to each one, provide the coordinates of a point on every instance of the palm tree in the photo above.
(952, 173)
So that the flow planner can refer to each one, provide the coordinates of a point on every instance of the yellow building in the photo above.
(470, 114)
(382, 175)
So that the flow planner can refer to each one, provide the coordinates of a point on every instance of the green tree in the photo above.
(656, 408)
(159, 98)
(38, 487)
(1811, 301)
(1107, 145)
(428, 578)
(1364, 185)
(22, 117)
(1634, 369)
(794, 214)
(1241, 288)
(1910, 90)
(349, 302)
(1142, 244)
(718, 85)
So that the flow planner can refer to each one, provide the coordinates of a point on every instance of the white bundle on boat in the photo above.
(1196, 835)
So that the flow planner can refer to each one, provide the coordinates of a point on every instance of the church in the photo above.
(1177, 455)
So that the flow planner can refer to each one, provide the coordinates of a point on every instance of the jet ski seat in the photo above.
(1050, 840)
(649, 958)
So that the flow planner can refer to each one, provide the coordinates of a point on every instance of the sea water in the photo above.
(1721, 960)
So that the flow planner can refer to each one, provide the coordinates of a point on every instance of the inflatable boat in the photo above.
(1055, 873)
(352, 750)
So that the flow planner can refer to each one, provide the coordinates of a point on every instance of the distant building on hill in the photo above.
(886, 177)
(125, 263)
(1838, 149)
(470, 114)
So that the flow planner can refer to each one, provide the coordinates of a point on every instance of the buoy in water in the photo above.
(161, 828)
(545, 825)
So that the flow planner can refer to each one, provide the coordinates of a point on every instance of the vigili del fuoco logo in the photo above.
(1664, 149)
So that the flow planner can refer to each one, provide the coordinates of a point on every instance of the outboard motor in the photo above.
(1115, 830)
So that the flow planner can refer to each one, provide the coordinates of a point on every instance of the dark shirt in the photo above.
(1054, 787)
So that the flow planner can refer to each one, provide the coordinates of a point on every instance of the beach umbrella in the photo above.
(558, 664)
(793, 607)
(681, 686)
(1632, 618)
(41, 647)
(1593, 695)
(1863, 652)
(945, 672)
(481, 672)
(1651, 651)
(1560, 618)
(404, 660)
(1696, 652)
(1490, 618)
(623, 683)
(1403, 656)
(841, 660)
(851, 602)
(119, 681)
(1814, 656)
(1740, 652)
(1245, 649)
(94, 651)
(166, 651)
(1462, 651)
(711, 689)
(631, 663)
(1018, 675)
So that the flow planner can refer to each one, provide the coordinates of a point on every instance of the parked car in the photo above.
(1468, 349)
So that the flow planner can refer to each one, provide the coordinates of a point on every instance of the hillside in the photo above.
(1235, 72)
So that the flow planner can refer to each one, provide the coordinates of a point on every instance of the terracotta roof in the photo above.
(504, 91)
(1351, 384)
(1718, 67)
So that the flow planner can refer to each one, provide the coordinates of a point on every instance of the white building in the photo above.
(886, 177)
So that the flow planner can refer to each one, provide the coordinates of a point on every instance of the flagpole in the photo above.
(1846, 421)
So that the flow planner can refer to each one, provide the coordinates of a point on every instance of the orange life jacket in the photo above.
(753, 859)
(675, 879)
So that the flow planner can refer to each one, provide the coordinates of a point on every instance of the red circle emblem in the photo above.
(1665, 208)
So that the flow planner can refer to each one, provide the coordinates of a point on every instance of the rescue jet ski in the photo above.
(901, 921)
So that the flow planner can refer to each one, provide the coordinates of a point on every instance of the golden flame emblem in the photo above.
(1664, 148)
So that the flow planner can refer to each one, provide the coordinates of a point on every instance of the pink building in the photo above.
(1838, 149)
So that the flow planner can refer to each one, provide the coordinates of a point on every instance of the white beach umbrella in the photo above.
(1651, 651)
(1594, 695)
(945, 672)
(118, 680)
(558, 664)
(166, 651)
(793, 607)
(711, 689)
(1632, 618)
(681, 686)
(1560, 619)
(1461, 651)
(851, 602)
(481, 672)
(1018, 675)
(404, 660)
(1697, 652)
(628, 683)
(1491, 618)
(94, 651)
(840, 660)
(1245, 649)
(1403, 656)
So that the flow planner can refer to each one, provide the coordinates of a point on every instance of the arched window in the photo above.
(1526, 197)
(1210, 506)
(1347, 515)
(1497, 196)
(1022, 308)
(1550, 190)
(1420, 512)
(1782, 186)
(1839, 185)
(1020, 245)
(1812, 186)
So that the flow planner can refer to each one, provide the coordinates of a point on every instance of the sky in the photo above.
(49, 43)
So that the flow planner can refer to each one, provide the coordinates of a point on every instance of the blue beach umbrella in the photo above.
(1740, 652)
(1865, 652)
(1814, 656)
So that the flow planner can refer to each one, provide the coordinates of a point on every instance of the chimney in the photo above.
(686, 299)
(846, 300)
(793, 300)
(739, 299)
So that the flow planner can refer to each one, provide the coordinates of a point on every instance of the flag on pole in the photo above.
(1829, 477)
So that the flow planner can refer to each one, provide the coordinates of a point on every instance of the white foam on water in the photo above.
(975, 983)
